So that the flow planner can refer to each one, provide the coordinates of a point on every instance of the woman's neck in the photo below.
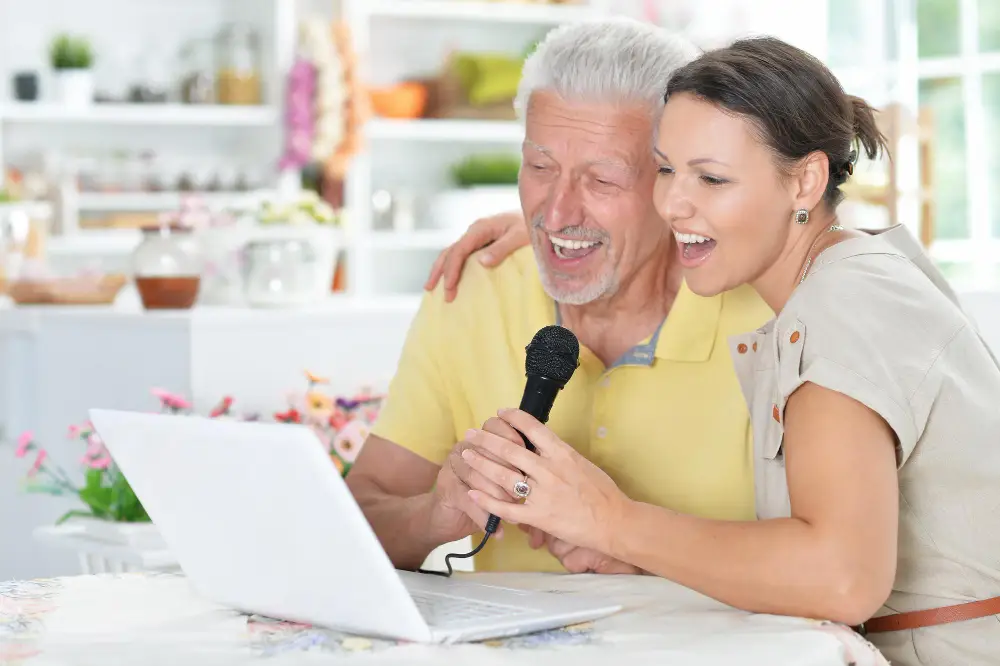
(776, 284)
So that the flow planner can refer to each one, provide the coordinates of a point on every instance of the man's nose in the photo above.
(564, 207)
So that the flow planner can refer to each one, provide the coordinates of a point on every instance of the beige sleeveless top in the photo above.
(876, 321)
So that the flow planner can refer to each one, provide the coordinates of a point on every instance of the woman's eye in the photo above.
(712, 180)
(664, 170)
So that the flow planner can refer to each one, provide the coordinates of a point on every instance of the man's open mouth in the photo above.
(565, 248)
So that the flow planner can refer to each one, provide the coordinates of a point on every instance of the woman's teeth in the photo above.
(571, 249)
(690, 238)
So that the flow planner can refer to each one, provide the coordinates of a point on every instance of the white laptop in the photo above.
(261, 521)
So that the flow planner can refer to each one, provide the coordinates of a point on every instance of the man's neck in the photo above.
(611, 326)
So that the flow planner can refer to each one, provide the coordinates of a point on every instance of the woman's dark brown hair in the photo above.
(795, 102)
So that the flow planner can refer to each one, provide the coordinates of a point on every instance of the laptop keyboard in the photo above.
(443, 609)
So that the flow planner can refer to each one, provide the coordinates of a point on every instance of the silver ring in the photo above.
(522, 489)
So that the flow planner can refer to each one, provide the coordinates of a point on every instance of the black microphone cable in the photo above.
(491, 527)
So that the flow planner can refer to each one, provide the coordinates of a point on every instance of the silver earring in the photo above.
(801, 216)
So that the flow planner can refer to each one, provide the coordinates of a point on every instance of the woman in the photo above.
(873, 399)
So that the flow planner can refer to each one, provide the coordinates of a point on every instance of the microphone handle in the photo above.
(539, 396)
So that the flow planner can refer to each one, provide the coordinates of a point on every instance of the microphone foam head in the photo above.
(554, 353)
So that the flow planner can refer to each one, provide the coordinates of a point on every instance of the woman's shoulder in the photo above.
(879, 298)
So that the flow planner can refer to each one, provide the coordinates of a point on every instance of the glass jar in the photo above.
(238, 56)
(166, 267)
(197, 86)
(279, 272)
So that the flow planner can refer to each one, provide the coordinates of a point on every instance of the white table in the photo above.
(157, 618)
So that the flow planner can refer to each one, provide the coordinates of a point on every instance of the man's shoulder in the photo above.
(743, 310)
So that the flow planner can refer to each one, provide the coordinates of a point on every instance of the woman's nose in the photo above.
(671, 201)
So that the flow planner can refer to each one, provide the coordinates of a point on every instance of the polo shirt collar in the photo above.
(687, 333)
(690, 329)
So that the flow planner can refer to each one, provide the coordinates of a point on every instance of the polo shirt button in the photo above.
(741, 348)
(602, 432)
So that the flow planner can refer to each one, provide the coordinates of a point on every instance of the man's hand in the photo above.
(453, 514)
(575, 559)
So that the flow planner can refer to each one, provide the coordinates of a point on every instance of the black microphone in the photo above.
(552, 357)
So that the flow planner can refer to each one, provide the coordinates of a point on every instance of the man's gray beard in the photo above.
(606, 283)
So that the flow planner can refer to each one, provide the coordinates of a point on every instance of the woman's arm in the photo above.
(503, 233)
(834, 559)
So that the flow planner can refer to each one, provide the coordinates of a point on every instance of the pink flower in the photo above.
(24, 443)
(95, 445)
(348, 442)
(74, 432)
(98, 463)
(171, 400)
(42, 455)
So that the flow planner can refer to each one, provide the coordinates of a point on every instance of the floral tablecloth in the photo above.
(159, 619)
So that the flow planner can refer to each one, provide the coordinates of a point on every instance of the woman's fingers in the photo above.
(495, 475)
(546, 441)
(514, 455)
(509, 511)
(513, 239)
(501, 428)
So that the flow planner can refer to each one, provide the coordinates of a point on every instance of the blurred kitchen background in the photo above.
(211, 196)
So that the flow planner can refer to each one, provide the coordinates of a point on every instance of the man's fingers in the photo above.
(559, 548)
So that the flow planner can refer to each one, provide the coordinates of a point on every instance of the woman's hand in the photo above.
(570, 498)
(576, 559)
(503, 233)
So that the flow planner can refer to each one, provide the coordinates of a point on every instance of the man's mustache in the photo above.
(575, 232)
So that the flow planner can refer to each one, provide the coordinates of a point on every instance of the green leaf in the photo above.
(70, 514)
(98, 499)
(95, 479)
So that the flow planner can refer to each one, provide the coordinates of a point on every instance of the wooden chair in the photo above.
(886, 190)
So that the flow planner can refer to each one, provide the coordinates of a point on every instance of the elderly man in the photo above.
(655, 402)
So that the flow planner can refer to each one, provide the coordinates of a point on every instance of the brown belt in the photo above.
(931, 617)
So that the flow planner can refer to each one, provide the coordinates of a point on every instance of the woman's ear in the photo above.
(809, 180)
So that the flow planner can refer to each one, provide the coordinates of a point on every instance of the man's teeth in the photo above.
(690, 238)
(560, 245)
(572, 244)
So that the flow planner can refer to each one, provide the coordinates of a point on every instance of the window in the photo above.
(943, 58)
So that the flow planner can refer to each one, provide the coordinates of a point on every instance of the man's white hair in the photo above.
(610, 61)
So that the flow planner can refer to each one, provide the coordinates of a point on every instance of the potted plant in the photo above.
(485, 184)
(72, 59)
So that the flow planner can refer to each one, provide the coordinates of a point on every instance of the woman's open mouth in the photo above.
(693, 249)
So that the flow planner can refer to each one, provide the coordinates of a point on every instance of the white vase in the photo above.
(457, 209)
(141, 536)
(74, 87)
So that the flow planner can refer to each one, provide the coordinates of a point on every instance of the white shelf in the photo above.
(141, 114)
(161, 201)
(486, 12)
(429, 239)
(94, 242)
(472, 131)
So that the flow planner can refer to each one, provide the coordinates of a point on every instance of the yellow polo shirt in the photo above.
(667, 421)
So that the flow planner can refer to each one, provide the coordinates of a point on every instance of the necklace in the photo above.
(836, 226)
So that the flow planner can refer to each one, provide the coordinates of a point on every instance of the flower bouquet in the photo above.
(341, 425)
